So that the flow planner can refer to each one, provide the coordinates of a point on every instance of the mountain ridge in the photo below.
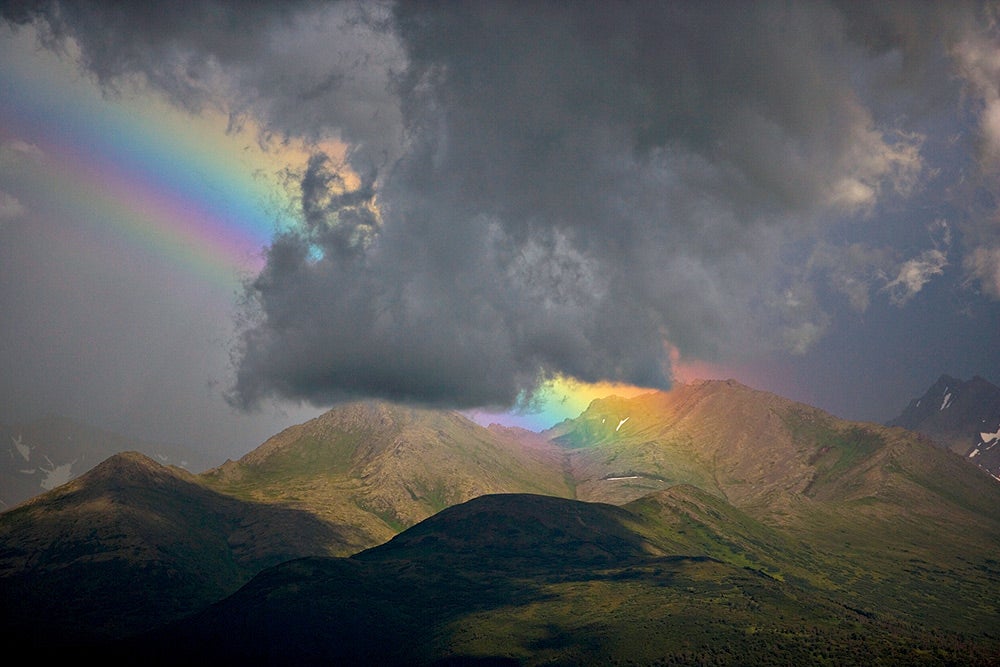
(132, 543)
(713, 477)
(385, 467)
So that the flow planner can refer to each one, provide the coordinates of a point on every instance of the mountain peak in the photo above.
(128, 466)
(959, 415)
(388, 466)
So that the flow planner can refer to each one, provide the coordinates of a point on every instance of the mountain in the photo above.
(756, 450)
(131, 544)
(963, 416)
(900, 502)
(381, 468)
(343, 482)
(530, 580)
(40, 455)
(710, 516)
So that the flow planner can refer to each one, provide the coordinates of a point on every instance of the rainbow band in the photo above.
(171, 183)
(557, 400)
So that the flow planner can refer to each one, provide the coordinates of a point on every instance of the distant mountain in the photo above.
(755, 449)
(963, 416)
(39, 455)
(713, 506)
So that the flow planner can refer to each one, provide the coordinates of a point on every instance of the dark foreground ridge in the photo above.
(524, 579)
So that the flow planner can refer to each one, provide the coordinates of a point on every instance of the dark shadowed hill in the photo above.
(131, 544)
(531, 580)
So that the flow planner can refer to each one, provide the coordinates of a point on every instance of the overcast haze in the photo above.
(447, 203)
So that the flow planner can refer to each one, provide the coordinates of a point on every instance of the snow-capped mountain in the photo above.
(963, 416)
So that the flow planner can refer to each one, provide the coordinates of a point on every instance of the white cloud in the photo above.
(10, 207)
(914, 274)
(983, 265)
(26, 148)
(873, 162)
(978, 59)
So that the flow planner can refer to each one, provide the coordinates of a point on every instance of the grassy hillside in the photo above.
(382, 468)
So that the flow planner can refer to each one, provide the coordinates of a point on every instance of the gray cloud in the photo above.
(553, 187)
(580, 184)
(302, 68)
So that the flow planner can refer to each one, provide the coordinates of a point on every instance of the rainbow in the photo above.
(556, 400)
(173, 184)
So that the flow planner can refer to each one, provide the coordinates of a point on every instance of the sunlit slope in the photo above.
(526, 579)
(758, 451)
(381, 467)
(890, 520)
(747, 446)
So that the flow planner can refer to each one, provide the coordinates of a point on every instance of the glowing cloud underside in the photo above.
(555, 401)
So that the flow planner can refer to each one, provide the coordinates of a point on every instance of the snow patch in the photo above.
(22, 449)
(990, 437)
(620, 424)
(611, 479)
(974, 454)
(947, 400)
(56, 475)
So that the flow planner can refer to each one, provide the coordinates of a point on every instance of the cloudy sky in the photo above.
(218, 218)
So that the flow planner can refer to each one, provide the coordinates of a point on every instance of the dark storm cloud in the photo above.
(303, 68)
(579, 185)
(538, 188)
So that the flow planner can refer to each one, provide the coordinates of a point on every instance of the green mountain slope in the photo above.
(750, 447)
(875, 506)
(381, 468)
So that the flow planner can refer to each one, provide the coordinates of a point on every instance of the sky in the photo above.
(218, 218)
